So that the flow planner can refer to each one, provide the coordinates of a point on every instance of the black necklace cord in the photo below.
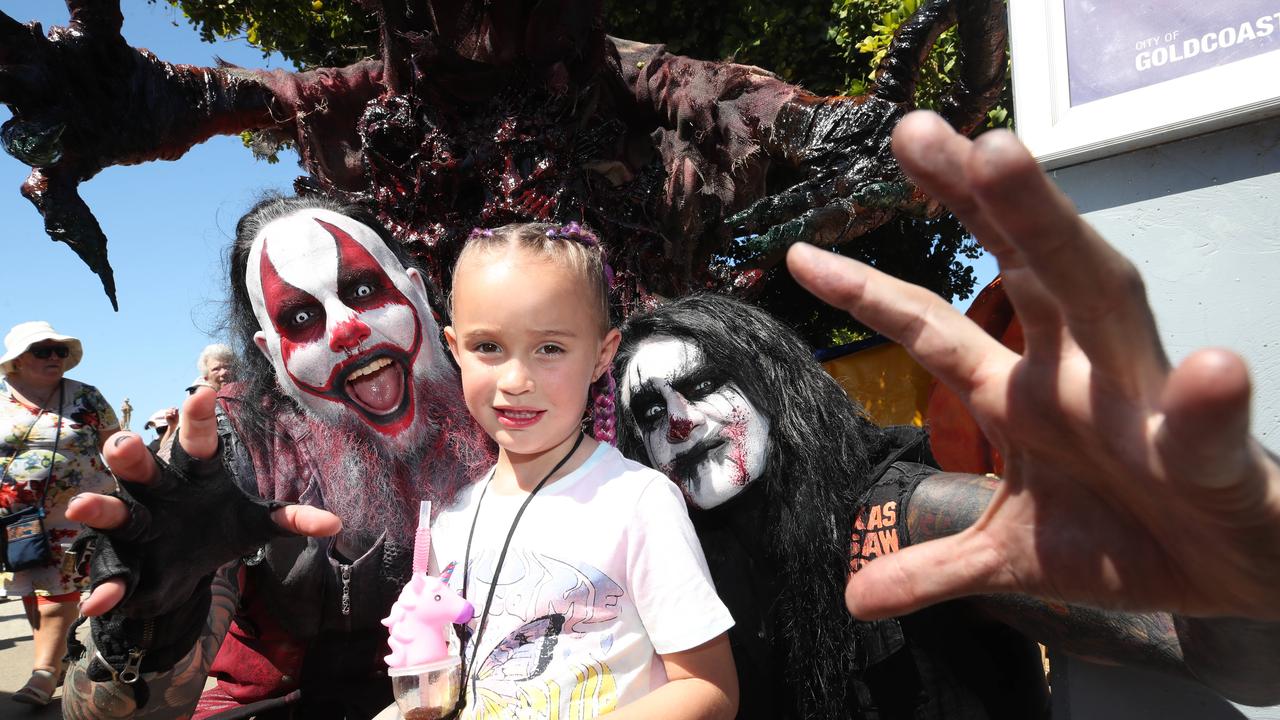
(497, 571)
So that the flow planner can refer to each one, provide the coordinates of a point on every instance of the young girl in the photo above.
(590, 587)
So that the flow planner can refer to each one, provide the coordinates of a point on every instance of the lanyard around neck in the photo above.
(502, 556)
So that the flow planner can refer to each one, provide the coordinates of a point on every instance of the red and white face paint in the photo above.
(348, 329)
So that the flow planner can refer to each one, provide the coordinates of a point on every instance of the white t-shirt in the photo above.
(604, 573)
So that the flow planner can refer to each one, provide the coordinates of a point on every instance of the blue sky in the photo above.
(168, 224)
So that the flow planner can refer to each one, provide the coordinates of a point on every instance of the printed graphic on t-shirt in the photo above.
(552, 664)
(875, 533)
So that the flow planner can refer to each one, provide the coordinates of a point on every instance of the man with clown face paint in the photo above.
(728, 403)
(343, 322)
(348, 408)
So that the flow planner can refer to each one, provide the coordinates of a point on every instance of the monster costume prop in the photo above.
(479, 114)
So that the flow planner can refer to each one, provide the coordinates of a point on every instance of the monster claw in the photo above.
(38, 144)
(10, 29)
(889, 194)
(778, 237)
(68, 219)
(822, 226)
(96, 17)
(771, 210)
(739, 219)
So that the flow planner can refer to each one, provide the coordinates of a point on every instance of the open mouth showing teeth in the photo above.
(377, 387)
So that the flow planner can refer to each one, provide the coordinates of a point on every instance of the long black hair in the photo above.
(822, 448)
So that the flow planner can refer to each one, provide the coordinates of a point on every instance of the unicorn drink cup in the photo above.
(420, 620)
(426, 676)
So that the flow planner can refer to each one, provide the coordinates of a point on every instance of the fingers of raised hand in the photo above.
(198, 432)
(101, 512)
(103, 598)
(1203, 435)
(995, 186)
(307, 520)
(925, 574)
(1098, 291)
(945, 342)
(933, 154)
(129, 459)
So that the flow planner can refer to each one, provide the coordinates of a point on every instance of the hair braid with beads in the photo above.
(604, 420)
(574, 246)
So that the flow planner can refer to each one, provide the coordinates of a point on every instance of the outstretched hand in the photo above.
(1129, 484)
(131, 462)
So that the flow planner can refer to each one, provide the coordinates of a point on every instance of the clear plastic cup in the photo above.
(429, 691)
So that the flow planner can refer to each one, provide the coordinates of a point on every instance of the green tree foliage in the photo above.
(827, 47)
(864, 30)
(310, 33)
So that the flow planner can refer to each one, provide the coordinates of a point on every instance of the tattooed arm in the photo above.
(173, 693)
(1237, 658)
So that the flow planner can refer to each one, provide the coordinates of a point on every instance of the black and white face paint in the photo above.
(698, 429)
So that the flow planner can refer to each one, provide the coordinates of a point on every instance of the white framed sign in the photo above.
(1093, 78)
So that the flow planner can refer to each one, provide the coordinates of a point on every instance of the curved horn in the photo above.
(982, 31)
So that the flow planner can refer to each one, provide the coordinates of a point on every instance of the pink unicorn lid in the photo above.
(421, 617)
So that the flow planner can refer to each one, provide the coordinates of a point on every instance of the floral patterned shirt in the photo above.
(28, 461)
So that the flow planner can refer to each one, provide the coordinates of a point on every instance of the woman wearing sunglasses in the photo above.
(51, 431)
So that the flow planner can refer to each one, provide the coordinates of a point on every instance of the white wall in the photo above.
(1201, 220)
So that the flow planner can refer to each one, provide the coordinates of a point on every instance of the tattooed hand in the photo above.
(1129, 484)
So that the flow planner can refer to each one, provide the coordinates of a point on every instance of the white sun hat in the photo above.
(24, 335)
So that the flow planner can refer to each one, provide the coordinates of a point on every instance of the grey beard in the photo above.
(375, 486)
(374, 491)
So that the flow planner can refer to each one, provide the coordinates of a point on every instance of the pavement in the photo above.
(15, 664)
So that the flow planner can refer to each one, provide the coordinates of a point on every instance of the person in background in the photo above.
(51, 431)
(165, 423)
(217, 366)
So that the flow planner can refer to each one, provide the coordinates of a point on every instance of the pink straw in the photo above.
(422, 539)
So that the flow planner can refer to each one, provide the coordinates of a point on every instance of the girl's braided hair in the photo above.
(578, 248)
